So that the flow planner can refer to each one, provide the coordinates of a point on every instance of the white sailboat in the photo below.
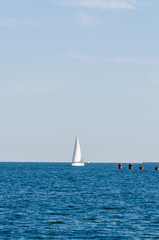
(76, 159)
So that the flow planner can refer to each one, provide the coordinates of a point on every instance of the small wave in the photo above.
(56, 222)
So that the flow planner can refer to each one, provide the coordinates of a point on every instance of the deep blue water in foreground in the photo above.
(98, 201)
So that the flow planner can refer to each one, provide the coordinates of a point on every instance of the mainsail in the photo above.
(77, 152)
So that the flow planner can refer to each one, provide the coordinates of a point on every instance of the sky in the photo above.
(79, 67)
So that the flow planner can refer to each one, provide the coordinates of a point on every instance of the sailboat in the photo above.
(76, 159)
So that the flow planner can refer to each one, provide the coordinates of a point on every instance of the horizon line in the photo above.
(71, 162)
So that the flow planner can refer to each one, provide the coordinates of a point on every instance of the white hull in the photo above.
(78, 164)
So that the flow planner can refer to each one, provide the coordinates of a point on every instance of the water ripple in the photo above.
(57, 201)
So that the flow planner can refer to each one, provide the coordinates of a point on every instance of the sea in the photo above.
(97, 201)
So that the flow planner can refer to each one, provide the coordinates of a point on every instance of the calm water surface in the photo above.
(98, 201)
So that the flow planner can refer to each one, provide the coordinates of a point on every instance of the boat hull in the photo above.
(78, 164)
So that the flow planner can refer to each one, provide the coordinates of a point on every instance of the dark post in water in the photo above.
(120, 166)
(130, 166)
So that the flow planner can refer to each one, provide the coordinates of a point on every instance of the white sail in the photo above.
(77, 152)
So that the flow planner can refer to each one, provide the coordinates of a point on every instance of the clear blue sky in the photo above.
(79, 67)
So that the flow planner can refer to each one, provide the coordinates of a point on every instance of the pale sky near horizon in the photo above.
(79, 67)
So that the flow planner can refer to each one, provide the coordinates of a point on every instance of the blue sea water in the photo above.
(98, 201)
